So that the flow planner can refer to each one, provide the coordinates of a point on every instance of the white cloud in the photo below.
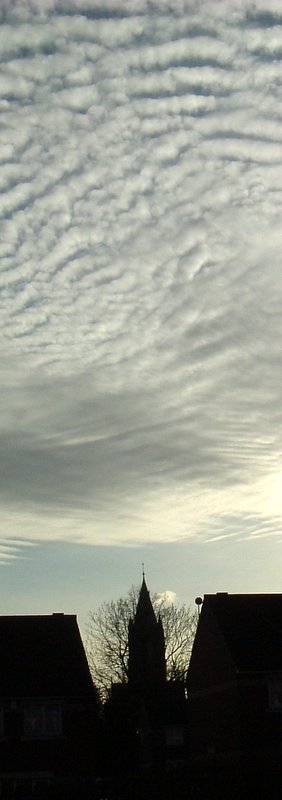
(140, 319)
(167, 597)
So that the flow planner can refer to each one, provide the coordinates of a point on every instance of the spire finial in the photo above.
(143, 570)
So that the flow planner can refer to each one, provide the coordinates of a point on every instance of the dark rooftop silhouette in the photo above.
(251, 625)
(42, 655)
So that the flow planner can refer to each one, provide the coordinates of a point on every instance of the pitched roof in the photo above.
(42, 656)
(251, 625)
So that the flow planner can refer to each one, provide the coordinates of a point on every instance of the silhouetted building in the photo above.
(48, 709)
(146, 717)
(146, 644)
(235, 697)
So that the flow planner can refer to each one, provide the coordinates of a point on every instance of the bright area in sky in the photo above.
(140, 283)
(168, 597)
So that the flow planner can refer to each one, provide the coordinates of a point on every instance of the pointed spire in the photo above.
(146, 666)
(144, 607)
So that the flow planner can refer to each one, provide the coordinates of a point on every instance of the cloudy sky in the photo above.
(140, 299)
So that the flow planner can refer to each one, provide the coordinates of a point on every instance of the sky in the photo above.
(140, 300)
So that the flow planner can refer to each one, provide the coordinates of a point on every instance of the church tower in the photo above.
(146, 663)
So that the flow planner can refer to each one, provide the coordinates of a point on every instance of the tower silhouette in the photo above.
(146, 645)
(146, 717)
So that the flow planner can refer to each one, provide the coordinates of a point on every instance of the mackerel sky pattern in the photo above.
(140, 282)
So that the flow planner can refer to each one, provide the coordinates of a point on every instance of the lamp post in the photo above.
(199, 603)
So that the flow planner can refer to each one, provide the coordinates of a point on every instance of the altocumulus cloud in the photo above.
(140, 323)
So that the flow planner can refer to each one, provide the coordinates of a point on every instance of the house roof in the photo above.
(42, 656)
(251, 625)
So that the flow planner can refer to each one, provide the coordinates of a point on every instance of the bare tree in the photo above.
(107, 638)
